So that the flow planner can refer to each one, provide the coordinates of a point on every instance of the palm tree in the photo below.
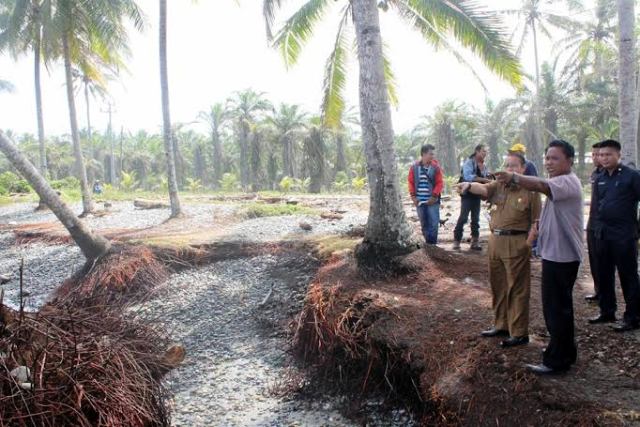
(246, 107)
(169, 142)
(286, 121)
(21, 31)
(387, 233)
(92, 245)
(216, 118)
(315, 153)
(627, 69)
(92, 34)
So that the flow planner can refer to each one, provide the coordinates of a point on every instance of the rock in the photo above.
(292, 202)
(22, 374)
(305, 226)
(26, 386)
(107, 205)
(4, 278)
(174, 355)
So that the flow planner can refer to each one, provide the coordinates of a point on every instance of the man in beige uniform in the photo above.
(513, 214)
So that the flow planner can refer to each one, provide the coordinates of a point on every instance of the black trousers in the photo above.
(593, 260)
(623, 256)
(558, 279)
(469, 204)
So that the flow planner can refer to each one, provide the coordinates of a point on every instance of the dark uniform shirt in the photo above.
(617, 197)
(593, 207)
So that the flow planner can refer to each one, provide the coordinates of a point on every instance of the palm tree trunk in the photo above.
(92, 245)
(217, 159)
(37, 55)
(244, 155)
(286, 156)
(539, 131)
(87, 203)
(341, 158)
(169, 149)
(39, 113)
(627, 82)
(387, 234)
(256, 163)
(88, 112)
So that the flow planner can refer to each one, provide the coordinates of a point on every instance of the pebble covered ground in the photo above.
(231, 316)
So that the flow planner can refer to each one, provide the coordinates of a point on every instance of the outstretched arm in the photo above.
(531, 183)
(473, 188)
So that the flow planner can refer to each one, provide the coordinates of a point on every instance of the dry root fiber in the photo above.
(126, 274)
(82, 367)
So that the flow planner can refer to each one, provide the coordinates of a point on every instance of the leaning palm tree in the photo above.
(92, 245)
(627, 71)
(169, 147)
(286, 121)
(387, 233)
(246, 108)
(216, 118)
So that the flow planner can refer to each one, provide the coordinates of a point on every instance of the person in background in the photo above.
(593, 207)
(97, 187)
(473, 170)
(425, 187)
(560, 235)
(529, 168)
(513, 214)
(615, 228)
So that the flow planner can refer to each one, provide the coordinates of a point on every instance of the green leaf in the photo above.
(333, 101)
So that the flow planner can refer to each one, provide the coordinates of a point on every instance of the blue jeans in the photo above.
(429, 220)
(469, 205)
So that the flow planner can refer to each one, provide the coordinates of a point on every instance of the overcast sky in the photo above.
(217, 47)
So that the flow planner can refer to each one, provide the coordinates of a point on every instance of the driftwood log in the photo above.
(150, 204)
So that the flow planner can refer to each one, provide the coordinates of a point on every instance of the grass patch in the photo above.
(259, 210)
(326, 246)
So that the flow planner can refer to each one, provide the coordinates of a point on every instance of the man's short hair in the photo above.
(426, 148)
(519, 156)
(566, 148)
(595, 146)
(479, 148)
(611, 143)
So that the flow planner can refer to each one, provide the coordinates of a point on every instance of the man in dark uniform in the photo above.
(616, 236)
(593, 260)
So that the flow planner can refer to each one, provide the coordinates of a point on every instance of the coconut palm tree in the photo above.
(286, 122)
(627, 91)
(169, 148)
(92, 245)
(387, 233)
(246, 108)
(22, 25)
(92, 34)
(216, 118)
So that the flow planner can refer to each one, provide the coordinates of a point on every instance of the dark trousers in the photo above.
(429, 221)
(558, 279)
(623, 256)
(469, 205)
(593, 260)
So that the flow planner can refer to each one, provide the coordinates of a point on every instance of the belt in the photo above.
(499, 232)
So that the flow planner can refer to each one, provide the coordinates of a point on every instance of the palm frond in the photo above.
(269, 14)
(6, 86)
(298, 29)
(390, 79)
(333, 102)
(473, 27)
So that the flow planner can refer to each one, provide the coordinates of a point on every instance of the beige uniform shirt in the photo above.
(513, 207)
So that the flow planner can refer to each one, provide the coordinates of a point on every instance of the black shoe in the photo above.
(514, 341)
(603, 318)
(543, 369)
(493, 332)
(625, 326)
(592, 297)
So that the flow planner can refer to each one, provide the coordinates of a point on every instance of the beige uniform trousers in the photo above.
(510, 279)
